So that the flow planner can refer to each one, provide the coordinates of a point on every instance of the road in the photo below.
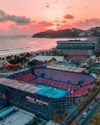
(79, 119)
(77, 114)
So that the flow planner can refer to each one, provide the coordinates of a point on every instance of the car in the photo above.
(90, 107)
(84, 114)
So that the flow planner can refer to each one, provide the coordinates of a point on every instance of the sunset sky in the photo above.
(30, 16)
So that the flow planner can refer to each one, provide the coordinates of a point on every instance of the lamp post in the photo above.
(72, 100)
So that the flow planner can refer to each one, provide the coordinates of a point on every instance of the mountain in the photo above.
(68, 33)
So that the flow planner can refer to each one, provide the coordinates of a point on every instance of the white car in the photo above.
(90, 107)
(83, 114)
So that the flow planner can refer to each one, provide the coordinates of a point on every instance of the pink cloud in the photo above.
(64, 21)
(45, 23)
(47, 6)
(87, 23)
(68, 16)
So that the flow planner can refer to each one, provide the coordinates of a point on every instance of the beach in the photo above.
(13, 45)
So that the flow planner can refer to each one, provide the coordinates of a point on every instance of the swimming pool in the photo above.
(51, 92)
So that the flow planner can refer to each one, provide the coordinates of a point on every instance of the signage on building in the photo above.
(33, 100)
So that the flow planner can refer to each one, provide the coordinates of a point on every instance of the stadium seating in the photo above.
(80, 91)
(61, 76)
(76, 82)
(57, 84)
(27, 77)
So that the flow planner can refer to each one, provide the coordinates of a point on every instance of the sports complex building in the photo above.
(76, 47)
(44, 91)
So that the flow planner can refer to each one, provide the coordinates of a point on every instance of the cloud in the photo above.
(88, 23)
(55, 1)
(45, 23)
(50, 3)
(56, 21)
(87, 7)
(47, 6)
(17, 19)
(69, 7)
(63, 21)
(68, 16)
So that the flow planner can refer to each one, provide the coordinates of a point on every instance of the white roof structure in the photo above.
(52, 123)
(93, 57)
(19, 85)
(67, 68)
(20, 117)
(47, 58)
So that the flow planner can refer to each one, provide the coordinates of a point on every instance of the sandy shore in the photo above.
(27, 55)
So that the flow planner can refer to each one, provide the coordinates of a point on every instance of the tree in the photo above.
(34, 63)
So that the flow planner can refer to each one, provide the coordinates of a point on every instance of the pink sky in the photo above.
(30, 16)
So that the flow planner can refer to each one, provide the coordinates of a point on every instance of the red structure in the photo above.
(75, 57)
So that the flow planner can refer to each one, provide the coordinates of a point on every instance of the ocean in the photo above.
(19, 44)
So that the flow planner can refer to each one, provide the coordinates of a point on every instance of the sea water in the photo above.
(19, 44)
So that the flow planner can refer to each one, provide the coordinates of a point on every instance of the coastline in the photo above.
(26, 44)
(5, 61)
(31, 52)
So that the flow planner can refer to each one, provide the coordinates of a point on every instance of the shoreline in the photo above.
(30, 52)
(17, 62)
(12, 60)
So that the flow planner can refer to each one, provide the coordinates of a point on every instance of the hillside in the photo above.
(68, 33)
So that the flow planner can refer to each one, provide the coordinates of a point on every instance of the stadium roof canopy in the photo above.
(67, 68)
(19, 85)
(47, 58)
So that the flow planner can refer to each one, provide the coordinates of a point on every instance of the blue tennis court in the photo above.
(51, 92)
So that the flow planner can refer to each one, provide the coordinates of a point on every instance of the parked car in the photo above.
(90, 107)
(84, 114)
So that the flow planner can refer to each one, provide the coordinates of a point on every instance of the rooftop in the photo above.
(67, 68)
(19, 85)
(47, 58)
(19, 117)
(75, 41)
(66, 41)
(52, 123)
